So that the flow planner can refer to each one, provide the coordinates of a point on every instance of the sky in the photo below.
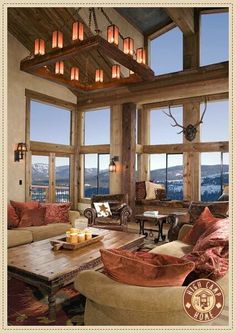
(166, 57)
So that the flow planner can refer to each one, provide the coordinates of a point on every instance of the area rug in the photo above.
(27, 305)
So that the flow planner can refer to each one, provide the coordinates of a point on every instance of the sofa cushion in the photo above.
(200, 226)
(144, 268)
(47, 231)
(140, 190)
(20, 206)
(32, 217)
(17, 237)
(12, 218)
(56, 212)
(176, 248)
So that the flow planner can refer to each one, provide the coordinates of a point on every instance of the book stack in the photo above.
(151, 213)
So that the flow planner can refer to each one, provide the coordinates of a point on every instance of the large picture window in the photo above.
(96, 174)
(49, 123)
(161, 131)
(214, 175)
(97, 127)
(168, 169)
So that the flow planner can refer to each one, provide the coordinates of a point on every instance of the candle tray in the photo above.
(61, 243)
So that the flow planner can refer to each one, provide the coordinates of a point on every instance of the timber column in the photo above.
(129, 151)
(191, 115)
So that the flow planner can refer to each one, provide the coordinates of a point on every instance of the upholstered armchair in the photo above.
(120, 212)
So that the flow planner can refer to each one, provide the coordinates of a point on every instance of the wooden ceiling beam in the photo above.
(184, 19)
(95, 42)
(203, 81)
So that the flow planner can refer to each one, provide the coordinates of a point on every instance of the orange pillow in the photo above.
(200, 226)
(12, 218)
(20, 206)
(32, 217)
(145, 268)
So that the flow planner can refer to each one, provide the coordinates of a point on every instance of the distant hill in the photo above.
(40, 173)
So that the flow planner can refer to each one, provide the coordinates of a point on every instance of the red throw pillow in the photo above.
(33, 217)
(20, 206)
(145, 268)
(12, 218)
(200, 226)
(57, 212)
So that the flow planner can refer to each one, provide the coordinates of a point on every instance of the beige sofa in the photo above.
(25, 235)
(113, 303)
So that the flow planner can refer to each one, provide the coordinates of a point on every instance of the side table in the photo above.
(157, 221)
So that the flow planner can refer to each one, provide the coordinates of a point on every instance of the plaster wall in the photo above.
(17, 83)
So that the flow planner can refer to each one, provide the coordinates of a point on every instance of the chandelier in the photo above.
(50, 64)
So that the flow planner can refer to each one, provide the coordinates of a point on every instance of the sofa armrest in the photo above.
(183, 230)
(125, 215)
(73, 215)
(102, 290)
(91, 215)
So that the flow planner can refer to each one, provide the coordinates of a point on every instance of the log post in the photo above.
(143, 139)
(129, 151)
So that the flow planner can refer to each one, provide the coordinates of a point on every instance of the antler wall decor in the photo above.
(189, 131)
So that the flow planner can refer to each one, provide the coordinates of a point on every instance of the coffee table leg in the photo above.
(52, 306)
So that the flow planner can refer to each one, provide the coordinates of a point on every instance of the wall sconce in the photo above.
(112, 165)
(20, 151)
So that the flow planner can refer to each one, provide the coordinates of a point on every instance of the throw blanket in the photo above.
(210, 254)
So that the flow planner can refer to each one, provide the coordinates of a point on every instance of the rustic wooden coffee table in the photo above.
(38, 265)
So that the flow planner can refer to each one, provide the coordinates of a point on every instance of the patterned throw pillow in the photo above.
(102, 209)
(151, 190)
(140, 189)
(57, 212)
(20, 206)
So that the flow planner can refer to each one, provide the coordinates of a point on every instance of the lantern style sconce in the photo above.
(115, 72)
(20, 151)
(39, 46)
(57, 39)
(141, 56)
(74, 73)
(113, 34)
(77, 31)
(99, 75)
(112, 165)
(128, 46)
(59, 67)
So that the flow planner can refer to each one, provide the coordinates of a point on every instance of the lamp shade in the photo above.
(128, 46)
(39, 46)
(99, 75)
(141, 55)
(74, 73)
(112, 166)
(57, 39)
(115, 74)
(113, 34)
(77, 31)
(59, 67)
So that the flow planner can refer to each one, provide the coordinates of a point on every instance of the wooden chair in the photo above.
(121, 212)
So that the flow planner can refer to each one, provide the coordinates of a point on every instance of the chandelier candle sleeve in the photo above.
(99, 75)
(39, 47)
(77, 31)
(57, 39)
(74, 73)
(59, 67)
(115, 72)
(128, 46)
(113, 34)
(141, 56)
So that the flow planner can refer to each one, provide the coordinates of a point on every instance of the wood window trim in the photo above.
(35, 147)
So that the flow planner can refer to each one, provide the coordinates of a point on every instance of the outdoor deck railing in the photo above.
(41, 193)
